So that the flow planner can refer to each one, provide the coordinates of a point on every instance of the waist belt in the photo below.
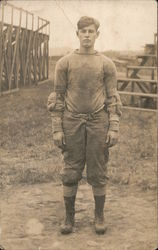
(86, 115)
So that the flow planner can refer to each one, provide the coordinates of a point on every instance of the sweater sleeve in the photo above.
(56, 100)
(113, 102)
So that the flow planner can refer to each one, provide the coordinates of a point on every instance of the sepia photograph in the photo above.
(78, 125)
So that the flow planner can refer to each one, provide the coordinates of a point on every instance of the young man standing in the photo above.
(85, 109)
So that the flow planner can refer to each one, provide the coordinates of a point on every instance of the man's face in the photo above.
(87, 36)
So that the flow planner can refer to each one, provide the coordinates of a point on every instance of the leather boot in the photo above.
(68, 224)
(99, 214)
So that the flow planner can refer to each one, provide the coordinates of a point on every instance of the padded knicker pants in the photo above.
(85, 137)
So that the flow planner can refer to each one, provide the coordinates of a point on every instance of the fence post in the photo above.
(1, 46)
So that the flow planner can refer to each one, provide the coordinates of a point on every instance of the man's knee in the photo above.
(98, 180)
(70, 177)
(99, 190)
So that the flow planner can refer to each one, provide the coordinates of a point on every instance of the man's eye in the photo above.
(87, 31)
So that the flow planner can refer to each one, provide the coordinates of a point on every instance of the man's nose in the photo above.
(87, 33)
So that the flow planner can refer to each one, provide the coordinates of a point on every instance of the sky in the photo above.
(124, 24)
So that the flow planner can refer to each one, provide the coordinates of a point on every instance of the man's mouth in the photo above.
(86, 40)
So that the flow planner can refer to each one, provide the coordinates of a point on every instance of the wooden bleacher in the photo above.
(139, 88)
(24, 48)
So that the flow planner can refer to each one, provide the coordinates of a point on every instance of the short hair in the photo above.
(86, 21)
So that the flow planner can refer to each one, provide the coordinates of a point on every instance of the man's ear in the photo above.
(98, 33)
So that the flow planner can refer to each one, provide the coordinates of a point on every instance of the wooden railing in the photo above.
(24, 48)
(137, 89)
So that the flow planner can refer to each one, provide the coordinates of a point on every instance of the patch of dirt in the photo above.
(31, 217)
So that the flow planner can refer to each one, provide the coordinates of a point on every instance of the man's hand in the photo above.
(112, 138)
(59, 139)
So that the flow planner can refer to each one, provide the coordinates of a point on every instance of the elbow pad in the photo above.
(114, 104)
(51, 103)
(55, 102)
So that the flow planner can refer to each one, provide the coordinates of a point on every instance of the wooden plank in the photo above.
(22, 51)
(17, 59)
(136, 80)
(29, 69)
(138, 94)
(153, 71)
(9, 91)
(27, 58)
(44, 81)
(4, 59)
(9, 47)
(15, 26)
(30, 60)
(42, 19)
(16, 62)
(44, 60)
(143, 87)
(146, 55)
(33, 57)
(17, 8)
(35, 47)
(142, 67)
(135, 71)
(32, 22)
(44, 25)
(30, 79)
(1, 46)
(128, 81)
(14, 55)
(121, 62)
(40, 61)
(47, 59)
(49, 29)
(31, 53)
(42, 57)
(17, 65)
(26, 20)
(132, 96)
(139, 109)
(37, 57)
(155, 41)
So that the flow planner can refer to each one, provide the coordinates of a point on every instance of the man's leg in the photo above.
(69, 193)
(74, 162)
(97, 158)
(99, 198)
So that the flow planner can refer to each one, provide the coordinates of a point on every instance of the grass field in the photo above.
(29, 156)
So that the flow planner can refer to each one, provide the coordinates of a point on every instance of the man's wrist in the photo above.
(114, 126)
(57, 130)
(56, 124)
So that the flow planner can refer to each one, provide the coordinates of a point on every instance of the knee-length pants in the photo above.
(85, 144)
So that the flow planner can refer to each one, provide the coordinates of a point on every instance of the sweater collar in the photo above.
(79, 53)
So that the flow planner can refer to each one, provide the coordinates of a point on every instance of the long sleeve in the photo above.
(113, 102)
(56, 100)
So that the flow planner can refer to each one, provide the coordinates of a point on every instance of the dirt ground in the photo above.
(31, 193)
(31, 216)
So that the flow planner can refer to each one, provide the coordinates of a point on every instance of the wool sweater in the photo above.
(83, 84)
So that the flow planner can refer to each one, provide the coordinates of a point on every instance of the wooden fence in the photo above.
(24, 48)
(138, 89)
